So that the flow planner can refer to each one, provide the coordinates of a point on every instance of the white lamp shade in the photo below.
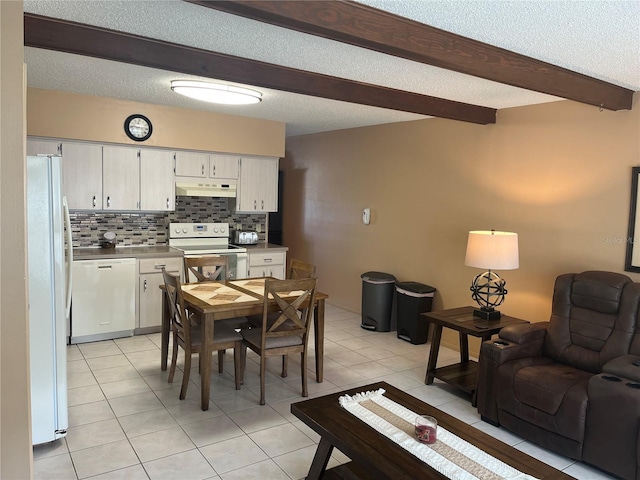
(492, 250)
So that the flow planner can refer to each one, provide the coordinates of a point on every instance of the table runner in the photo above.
(451, 456)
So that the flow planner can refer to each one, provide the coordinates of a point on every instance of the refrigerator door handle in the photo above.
(69, 263)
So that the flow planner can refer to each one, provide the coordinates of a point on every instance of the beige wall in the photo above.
(558, 174)
(86, 117)
(15, 431)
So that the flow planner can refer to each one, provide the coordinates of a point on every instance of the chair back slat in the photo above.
(293, 319)
(207, 268)
(299, 269)
(179, 318)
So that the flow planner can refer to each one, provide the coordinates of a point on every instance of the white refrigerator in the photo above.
(49, 267)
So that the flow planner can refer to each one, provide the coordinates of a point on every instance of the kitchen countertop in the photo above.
(265, 246)
(97, 253)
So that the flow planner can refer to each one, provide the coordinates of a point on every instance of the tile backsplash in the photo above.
(152, 228)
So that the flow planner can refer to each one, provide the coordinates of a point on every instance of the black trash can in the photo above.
(412, 299)
(378, 291)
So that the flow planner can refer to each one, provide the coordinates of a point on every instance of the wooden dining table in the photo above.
(214, 301)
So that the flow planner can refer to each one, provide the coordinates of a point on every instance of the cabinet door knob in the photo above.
(108, 201)
(255, 204)
(168, 203)
(262, 203)
(94, 200)
(145, 285)
(203, 169)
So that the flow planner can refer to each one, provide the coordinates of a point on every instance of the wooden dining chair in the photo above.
(288, 333)
(208, 268)
(211, 268)
(297, 270)
(189, 337)
(300, 269)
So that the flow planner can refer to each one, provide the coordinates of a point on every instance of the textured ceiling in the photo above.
(597, 38)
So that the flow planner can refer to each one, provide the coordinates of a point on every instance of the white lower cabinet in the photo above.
(267, 264)
(149, 293)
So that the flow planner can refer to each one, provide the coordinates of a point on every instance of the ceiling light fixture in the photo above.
(216, 92)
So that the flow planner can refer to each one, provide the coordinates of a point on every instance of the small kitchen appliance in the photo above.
(200, 239)
(245, 238)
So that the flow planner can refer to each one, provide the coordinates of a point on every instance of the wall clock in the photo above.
(138, 127)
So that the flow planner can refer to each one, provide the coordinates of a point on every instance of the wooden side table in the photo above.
(463, 375)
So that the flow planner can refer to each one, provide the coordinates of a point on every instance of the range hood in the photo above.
(206, 189)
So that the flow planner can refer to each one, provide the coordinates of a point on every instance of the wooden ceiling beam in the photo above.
(54, 34)
(357, 24)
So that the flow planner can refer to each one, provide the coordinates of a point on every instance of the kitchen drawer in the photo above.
(267, 258)
(154, 265)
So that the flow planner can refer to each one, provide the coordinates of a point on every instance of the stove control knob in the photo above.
(177, 229)
(184, 230)
(215, 229)
(222, 229)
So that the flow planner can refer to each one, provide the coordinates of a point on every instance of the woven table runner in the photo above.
(450, 455)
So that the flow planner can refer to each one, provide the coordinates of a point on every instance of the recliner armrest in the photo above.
(624, 367)
(525, 333)
(516, 341)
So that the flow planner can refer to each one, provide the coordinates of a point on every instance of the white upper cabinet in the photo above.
(82, 175)
(120, 178)
(258, 185)
(44, 147)
(189, 164)
(157, 186)
(224, 166)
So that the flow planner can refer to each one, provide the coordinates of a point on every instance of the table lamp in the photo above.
(490, 250)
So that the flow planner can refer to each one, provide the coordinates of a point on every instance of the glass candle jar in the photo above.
(426, 429)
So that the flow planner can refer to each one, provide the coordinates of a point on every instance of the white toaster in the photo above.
(246, 238)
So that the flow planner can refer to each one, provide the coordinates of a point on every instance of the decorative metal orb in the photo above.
(488, 289)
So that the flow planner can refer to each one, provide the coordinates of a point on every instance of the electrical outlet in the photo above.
(258, 228)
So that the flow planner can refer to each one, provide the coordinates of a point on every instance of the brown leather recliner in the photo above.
(612, 436)
(534, 379)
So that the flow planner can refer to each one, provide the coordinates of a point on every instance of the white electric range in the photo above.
(201, 239)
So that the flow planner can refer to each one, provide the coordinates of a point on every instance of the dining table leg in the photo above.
(164, 333)
(205, 361)
(318, 337)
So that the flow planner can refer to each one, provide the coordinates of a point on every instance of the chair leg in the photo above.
(263, 371)
(303, 368)
(237, 365)
(243, 361)
(185, 375)
(174, 360)
(221, 361)
(285, 362)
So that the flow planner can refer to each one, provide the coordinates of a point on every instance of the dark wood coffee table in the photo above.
(375, 456)
(463, 375)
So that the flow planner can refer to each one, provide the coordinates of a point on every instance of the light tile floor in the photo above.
(126, 421)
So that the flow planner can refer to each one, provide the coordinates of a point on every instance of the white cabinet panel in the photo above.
(257, 185)
(267, 264)
(189, 164)
(43, 147)
(149, 293)
(82, 175)
(157, 186)
(224, 166)
(120, 178)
